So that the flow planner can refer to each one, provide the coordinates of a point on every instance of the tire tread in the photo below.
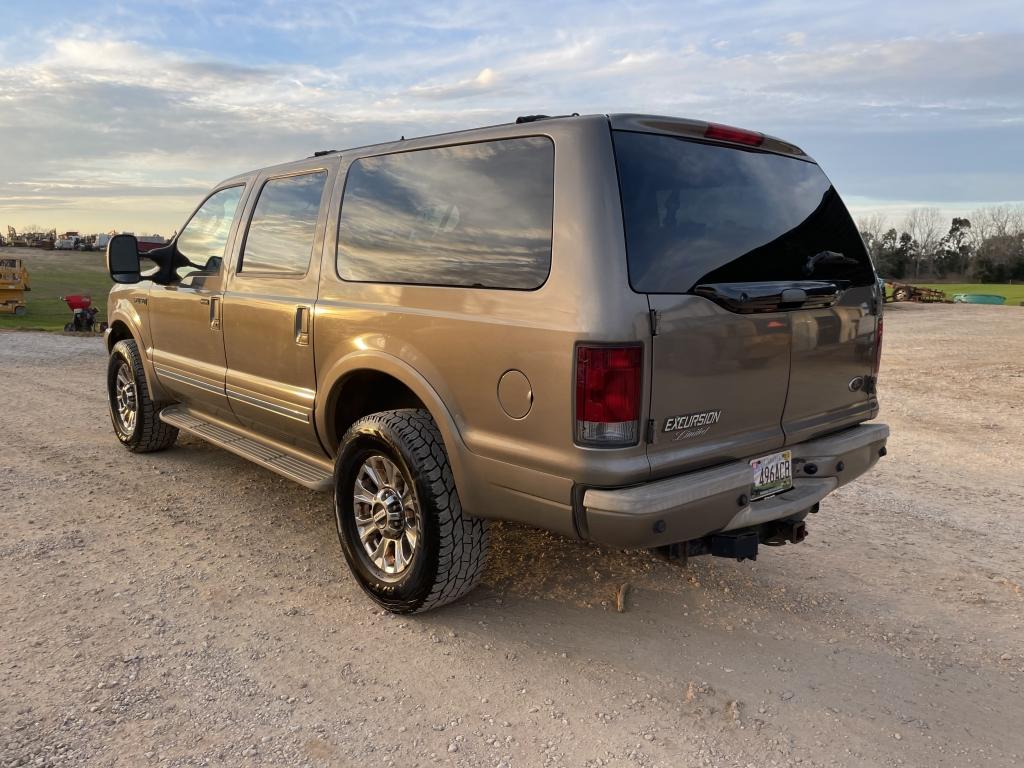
(464, 540)
(151, 434)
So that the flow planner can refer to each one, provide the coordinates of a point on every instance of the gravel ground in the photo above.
(189, 608)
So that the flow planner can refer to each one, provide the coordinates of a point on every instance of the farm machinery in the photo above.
(31, 239)
(14, 283)
(906, 292)
(83, 314)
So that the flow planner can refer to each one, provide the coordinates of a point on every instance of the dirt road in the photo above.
(189, 608)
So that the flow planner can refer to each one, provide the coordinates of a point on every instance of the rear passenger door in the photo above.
(268, 309)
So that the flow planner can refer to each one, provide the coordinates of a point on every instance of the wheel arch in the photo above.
(127, 325)
(382, 382)
(118, 331)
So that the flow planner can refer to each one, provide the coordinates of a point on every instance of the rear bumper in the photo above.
(693, 505)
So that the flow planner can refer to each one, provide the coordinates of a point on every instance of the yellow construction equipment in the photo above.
(13, 284)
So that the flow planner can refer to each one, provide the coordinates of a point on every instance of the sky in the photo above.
(120, 115)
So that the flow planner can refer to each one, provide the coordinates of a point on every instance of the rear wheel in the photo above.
(20, 311)
(399, 518)
(134, 415)
(901, 294)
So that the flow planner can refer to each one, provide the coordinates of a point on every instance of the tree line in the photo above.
(988, 247)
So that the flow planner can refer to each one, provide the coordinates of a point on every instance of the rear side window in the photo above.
(469, 215)
(283, 225)
(704, 213)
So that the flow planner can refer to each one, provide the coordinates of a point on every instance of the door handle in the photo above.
(214, 302)
(302, 326)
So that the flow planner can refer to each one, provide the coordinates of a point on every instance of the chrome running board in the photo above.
(296, 468)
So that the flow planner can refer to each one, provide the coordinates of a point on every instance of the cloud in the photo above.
(190, 92)
(484, 82)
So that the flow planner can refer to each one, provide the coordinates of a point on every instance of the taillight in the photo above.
(608, 381)
(735, 135)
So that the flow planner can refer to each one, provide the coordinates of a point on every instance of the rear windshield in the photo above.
(703, 213)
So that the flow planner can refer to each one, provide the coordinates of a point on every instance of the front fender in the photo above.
(125, 309)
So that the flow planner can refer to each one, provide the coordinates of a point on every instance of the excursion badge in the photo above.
(692, 424)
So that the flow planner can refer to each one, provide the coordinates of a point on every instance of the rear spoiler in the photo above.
(705, 131)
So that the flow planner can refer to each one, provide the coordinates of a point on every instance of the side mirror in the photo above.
(123, 259)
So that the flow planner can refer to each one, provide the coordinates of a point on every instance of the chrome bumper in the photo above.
(693, 505)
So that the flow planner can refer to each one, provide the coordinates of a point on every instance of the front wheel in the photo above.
(136, 418)
(400, 522)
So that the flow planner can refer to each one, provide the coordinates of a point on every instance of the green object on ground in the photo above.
(978, 298)
(1014, 294)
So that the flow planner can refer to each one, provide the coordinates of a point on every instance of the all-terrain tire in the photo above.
(452, 549)
(148, 433)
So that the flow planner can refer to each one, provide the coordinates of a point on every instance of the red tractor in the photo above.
(83, 313)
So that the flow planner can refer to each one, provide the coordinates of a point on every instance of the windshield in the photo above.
(704, 213)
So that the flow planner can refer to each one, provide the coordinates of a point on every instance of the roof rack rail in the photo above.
(534, 118)
(322, 152)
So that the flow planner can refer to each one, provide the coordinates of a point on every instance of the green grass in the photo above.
(54, 274)
(1014, 293)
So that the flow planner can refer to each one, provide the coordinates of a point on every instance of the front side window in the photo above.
(283, 226)
(205, 237)
(473, 215)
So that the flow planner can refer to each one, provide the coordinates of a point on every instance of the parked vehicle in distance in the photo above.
(150, 242)
(67, 242)
(674, 346)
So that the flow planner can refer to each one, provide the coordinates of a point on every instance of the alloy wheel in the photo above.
(387, 516)
(126, 400)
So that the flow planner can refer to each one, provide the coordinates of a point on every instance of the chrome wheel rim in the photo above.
(387, 516)
(126, 400)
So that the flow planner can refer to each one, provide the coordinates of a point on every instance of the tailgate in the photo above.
(719, 382)
(763, 298)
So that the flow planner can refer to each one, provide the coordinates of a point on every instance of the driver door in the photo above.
(185, 316)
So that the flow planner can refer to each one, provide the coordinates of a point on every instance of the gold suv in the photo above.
(641, 331)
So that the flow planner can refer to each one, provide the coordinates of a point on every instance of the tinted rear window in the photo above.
(468, 215)
(703, 213)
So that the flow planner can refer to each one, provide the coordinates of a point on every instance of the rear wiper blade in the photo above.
(828, 258)
(772, 296)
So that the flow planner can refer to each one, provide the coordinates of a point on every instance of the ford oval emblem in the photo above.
(856, 384)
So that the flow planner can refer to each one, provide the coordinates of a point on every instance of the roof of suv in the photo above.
(644, 123)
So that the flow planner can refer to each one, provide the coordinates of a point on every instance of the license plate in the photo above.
(772, 474)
